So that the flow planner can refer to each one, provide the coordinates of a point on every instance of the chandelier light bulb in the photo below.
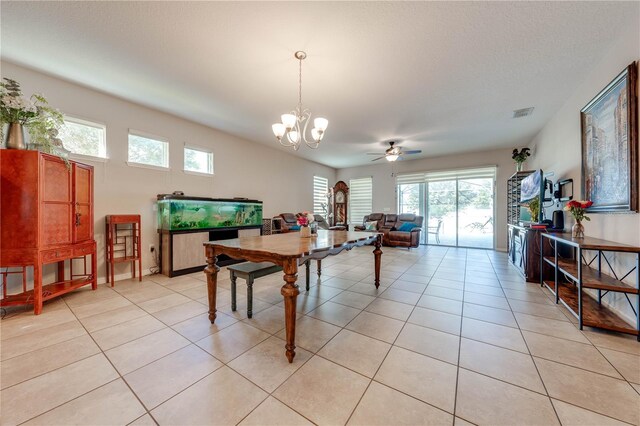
(293, 136)
(321, 123)
(393, 157)
(316, 135)
(278, 130)
(289, 121)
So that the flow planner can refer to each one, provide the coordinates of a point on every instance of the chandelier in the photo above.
(293, 129)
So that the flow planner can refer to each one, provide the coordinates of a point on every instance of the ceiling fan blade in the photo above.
(379, 158)
(375, 153)
(415, 151)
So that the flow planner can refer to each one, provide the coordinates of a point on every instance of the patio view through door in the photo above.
(458, 206)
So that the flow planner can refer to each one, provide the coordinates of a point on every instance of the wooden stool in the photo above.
(123, 231)
(250, 271)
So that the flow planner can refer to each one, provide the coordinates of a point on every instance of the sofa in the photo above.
(288, 222)
(390, 226)
(323, 224)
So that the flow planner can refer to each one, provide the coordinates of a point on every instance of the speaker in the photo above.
(558, 219)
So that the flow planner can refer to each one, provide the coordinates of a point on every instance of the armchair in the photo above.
(373, 217)
(400, 238)
(322, 224)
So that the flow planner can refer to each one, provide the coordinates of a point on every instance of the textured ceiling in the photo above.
(443, 76)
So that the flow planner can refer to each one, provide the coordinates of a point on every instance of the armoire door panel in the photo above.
(82, 223)
(83, 185)
(56, 180)
(56, 224)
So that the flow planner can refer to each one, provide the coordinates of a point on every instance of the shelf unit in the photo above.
(123, 243)
(579, 274)
(513, 196)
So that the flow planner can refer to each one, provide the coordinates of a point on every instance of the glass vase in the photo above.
(519, 166)
(577, 230)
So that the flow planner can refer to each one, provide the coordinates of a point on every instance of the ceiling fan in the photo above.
(393, 153)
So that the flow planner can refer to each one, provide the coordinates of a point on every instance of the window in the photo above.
(360, 199)
(149, 151)
(198, 160)
(320, 189)
(84, 137)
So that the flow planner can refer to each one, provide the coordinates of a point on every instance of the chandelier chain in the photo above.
(300, 85)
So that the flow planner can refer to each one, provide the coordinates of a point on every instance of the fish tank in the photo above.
(182, 213)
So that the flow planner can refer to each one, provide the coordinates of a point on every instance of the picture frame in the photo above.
(609, 132)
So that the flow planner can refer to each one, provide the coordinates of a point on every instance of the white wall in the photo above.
(242, 168)
(557, 148)
(384, 186)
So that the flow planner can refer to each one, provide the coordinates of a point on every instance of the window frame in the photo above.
(89, 123)
(201, 149)
(153, 137)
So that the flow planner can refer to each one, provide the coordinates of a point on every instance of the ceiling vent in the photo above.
(524, 112)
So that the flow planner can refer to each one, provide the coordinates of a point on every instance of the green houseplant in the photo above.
(35, 114)
(520, 157)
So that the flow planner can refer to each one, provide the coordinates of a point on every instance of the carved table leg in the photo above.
(377, 253)
(211, 271)
(250, 296)
(319, 266)
(290, 292)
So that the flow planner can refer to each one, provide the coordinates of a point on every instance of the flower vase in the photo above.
(14, 138)
(519, 166)
(305, 232)
(577, 231)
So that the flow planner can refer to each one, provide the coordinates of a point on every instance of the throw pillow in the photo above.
(371, 226)
(294, 228)
(407, 227)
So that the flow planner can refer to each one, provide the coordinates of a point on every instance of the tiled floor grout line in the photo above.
(455, 394)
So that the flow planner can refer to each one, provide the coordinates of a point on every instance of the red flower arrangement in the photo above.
(578, 208)
(305, 219)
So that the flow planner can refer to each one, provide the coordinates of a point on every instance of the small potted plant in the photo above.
(35, 114)
(305, 220)
(520, 157)
(578, 209)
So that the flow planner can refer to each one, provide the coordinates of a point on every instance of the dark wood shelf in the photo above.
(591, 278)
(49, 291)
(593, 314)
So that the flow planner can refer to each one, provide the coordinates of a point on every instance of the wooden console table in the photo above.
(286, 250)
(580, 275)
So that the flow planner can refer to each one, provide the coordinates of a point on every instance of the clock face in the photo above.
(340, 197)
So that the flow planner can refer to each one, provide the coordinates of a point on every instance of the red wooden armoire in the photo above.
(46, 216)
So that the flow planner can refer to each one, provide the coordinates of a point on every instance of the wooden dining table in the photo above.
(287, 250)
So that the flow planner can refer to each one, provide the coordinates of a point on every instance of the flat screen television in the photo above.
(532, 186)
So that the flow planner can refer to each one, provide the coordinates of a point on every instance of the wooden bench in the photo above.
(250, 271)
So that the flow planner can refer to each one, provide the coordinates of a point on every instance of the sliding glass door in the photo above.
(458, 206)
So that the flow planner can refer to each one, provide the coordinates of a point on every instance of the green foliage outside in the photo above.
(472, 193)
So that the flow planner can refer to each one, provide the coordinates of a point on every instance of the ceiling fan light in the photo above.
(288, 120)
(278, 130)
(392, 157)
(321, 124)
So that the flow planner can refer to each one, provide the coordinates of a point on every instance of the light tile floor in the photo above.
(452, 336)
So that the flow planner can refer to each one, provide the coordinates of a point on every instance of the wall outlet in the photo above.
(152, 248)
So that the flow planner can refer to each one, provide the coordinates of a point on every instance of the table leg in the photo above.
(211, 271)
(250, 296)
(233, 291)
(290, 293)
(319, 261)
(308, 278)
(377, 253)
(37, 289)
(94, 269)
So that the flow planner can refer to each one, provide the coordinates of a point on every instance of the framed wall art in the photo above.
(610, 146)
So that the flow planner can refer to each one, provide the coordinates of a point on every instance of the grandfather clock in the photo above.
(340, 201)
